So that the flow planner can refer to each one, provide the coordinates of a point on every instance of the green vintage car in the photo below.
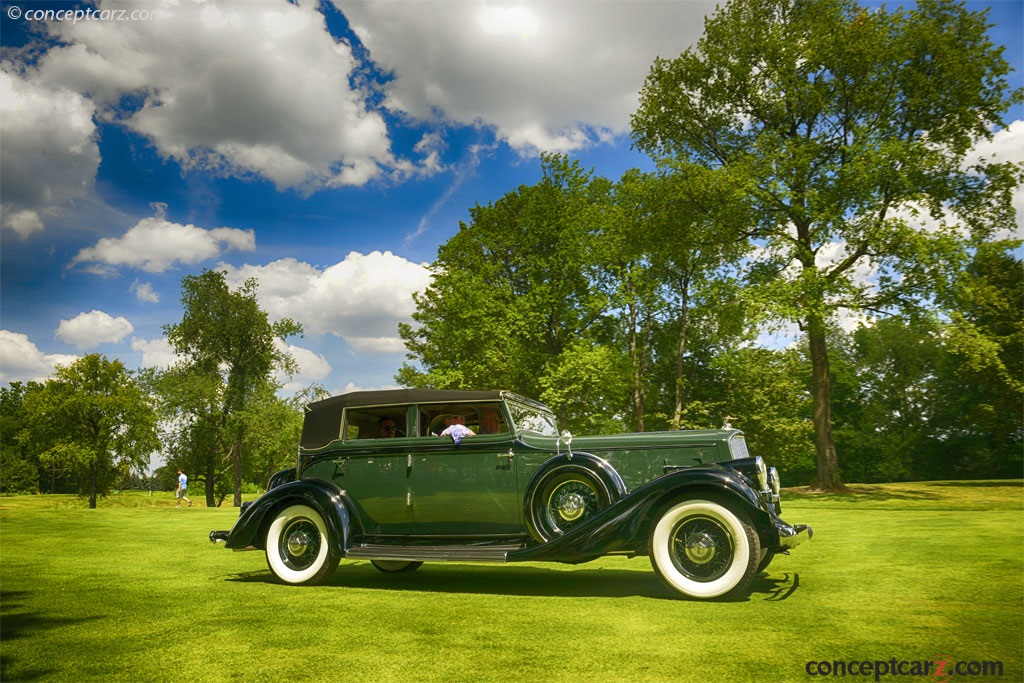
(409, 476)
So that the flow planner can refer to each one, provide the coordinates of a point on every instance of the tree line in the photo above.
(813, 162)
(215, 413)
(813, 166)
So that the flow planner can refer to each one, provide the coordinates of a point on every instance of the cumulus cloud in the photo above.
(156, 353)
(156, 244)
(89, 330)
(50, 154)
(237, 88)
(144, 292)
(360, 299)
(22, 361)
(552, 76)
(1006, 145)
(313, 367)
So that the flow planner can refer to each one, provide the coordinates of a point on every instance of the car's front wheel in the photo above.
(298, 550)
(703, 549)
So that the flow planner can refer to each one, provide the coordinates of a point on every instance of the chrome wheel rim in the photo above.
(569, 503)
(300, 544)
(702, 548)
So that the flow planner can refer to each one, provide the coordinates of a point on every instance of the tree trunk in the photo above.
(236, 465)
(211, 479)
(634, 359)
(93, 476)
(684, 305)
(828, 464)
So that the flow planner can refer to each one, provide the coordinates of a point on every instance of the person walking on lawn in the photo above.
(182, 487)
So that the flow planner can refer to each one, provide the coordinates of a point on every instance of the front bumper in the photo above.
(792, 536)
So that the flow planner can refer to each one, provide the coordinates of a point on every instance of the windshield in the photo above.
(532, 419)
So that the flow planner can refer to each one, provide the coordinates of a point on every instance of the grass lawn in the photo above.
(134, 591)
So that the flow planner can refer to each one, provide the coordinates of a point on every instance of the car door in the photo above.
(374, 471)
(466, 489)
(377, 481)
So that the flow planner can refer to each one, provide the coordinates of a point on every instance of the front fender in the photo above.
(323, 496)
(625, 525)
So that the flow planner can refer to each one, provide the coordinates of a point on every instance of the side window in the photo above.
(490, 420)
(480, 418)
(375, 423)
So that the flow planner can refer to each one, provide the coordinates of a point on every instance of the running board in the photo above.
(436, 553)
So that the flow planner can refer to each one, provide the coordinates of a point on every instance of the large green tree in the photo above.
(231, 353)
(840, 125)
(512, 291)
(96, 422)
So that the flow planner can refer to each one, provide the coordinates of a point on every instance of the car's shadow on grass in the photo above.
(528, 581)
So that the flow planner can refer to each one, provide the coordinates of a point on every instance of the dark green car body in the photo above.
(376, 479)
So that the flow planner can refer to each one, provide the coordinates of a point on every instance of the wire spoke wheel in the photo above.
(298, 549)
(564, 498)
(704, 549)
(569, 503)
(299, 544)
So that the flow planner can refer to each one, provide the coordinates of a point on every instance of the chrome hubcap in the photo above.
(571, 507)
(298, 543)
(700, 548)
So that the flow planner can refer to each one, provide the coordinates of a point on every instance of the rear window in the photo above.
(375, 423)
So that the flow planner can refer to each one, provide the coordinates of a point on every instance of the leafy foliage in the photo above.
(841, 126)
(93, 422)
(231, 353)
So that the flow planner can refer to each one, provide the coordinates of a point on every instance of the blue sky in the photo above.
(325, 148)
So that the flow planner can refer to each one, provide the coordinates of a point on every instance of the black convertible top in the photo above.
(322, 423)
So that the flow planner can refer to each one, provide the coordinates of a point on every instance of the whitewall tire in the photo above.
(298, 548)
(702, 549)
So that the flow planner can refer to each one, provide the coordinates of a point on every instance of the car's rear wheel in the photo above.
(395, 566)
(565, 497)
(703, 549)
(298, 550)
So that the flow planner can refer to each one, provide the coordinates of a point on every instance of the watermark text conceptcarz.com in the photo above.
(936, 668)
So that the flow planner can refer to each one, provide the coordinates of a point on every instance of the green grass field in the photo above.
(134, 591)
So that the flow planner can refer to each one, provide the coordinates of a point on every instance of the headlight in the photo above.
(762, 474)
(773, 480)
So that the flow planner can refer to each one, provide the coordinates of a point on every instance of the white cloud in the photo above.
(22, 361)
(144, 292)
(156, 244)
(517, 20)
(360, 299)
(313, 367)
(89, 330)
(156, 353)
(1006, 145)
(239, 88)
(547, 75)
(50, 155)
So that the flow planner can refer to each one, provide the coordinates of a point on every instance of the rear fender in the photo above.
(324, 497)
